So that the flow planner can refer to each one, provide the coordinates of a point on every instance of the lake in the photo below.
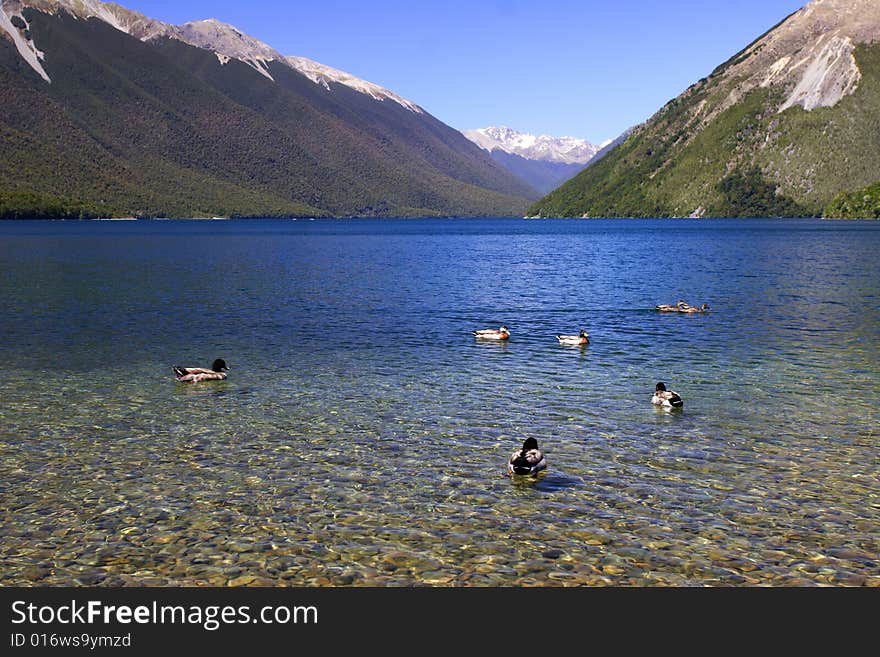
(362, 434)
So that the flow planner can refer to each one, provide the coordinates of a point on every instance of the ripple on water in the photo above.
(362, 435)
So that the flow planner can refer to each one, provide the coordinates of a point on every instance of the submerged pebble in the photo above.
(377, 459)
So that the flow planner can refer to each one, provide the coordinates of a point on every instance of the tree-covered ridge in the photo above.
(747, 194)
(861, 204)
(676, 164)
(128, 128)
(25, 205)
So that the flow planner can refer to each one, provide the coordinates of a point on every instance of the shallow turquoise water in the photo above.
(362, 433)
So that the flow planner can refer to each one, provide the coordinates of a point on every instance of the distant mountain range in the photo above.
(542, 161)
(107, 112)
(786, 127)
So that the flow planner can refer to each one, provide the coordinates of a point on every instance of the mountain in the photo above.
(107, 112)
(786, 127)
(609, 146)
(567, 150)
(542, 161)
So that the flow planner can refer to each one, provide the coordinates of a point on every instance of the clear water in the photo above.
(361, 436)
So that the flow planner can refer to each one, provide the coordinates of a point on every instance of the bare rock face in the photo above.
(827, 77)
(226, 41)
(123, 19)
(326, 75)
(739, 143)
(810, 55)
(313, 141)
(14, 27)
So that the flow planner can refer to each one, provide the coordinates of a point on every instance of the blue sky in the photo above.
(586, 69)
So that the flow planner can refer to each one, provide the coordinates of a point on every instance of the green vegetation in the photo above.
(748, 160)
(747, 194)
(28, 205)
(132, 129)
(863, 204)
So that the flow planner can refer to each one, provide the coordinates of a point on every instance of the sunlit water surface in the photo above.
(361, 436)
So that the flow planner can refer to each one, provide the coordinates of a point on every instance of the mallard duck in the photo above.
(666, 398)
(667, 308)
(493, 334)
(695, 309)
(196, 374)
(527, 461)
(574, 340)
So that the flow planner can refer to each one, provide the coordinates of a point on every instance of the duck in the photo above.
(666, 398)
(493, 334)
(695, 309)
(582, 338)
(197, 374)
(667, 308)
(527, 461)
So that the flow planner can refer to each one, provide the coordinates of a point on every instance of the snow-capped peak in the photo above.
(324, 75)
(568, 150)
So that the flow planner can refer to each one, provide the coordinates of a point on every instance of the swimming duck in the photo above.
(493, 334)
(695, 309)
(667, 308)
(526, 461)
(582, 338)
(666, 398)
(196, 374)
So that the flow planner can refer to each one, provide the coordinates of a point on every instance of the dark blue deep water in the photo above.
(361, 436)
